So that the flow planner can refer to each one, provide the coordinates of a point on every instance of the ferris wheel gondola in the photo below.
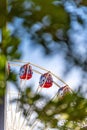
(63, 91)
(46, 80)
(26, 72)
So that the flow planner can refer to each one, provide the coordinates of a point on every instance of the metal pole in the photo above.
(3, 17)
(2, 114)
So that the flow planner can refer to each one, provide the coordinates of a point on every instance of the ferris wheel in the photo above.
(13, 118)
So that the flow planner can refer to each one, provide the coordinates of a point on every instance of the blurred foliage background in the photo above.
(50, 24)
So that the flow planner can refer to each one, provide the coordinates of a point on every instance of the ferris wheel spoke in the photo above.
(37, 71)
(16, 107)
(13, 64)
(19, 124)
(30, 109)
(34, 124)
(56, 84)
(22, 124)
(59, 78)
